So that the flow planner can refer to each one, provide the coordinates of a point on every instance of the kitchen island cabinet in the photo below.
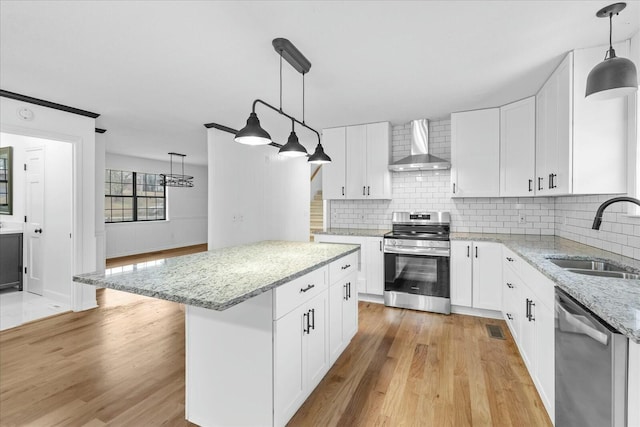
(256, 320)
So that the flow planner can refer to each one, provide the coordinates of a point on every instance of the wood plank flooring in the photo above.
(122, 364)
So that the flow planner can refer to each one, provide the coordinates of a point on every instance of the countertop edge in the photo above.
(85, 278)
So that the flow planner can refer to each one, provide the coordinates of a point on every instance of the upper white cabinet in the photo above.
(517, 148)
(580, 143)
(475, 153)
(334, 173)
(360, 160)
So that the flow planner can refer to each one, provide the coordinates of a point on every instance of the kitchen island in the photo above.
(264, 323)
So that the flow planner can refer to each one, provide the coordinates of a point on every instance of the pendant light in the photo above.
(254, 134)
(292, 148)
(173, 179)
(613, 77)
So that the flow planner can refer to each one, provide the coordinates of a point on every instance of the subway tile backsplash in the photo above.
(568, 216)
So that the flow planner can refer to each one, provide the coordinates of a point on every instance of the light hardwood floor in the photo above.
(123, 364)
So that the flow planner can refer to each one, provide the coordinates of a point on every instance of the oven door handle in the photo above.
(404, 250)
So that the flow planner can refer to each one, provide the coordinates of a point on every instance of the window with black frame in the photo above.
(133, 196)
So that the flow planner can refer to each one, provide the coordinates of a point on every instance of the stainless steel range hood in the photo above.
(420, 159)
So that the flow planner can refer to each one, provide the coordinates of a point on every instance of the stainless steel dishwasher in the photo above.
(591, 368)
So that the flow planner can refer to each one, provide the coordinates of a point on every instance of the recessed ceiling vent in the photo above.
(420, 159)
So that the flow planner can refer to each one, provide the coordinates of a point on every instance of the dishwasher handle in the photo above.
(578, 323)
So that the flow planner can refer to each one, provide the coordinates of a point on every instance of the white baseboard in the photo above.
(478, 312)
(377, 299)
(57, 297)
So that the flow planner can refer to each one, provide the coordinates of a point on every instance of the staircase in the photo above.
(315, 214)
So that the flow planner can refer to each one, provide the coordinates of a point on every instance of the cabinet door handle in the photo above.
(468, 249)
(531, 306)
(530, 184)
(368, 192)
(380, 245)
(344, 267)
(526, 311)
(307, 288)
(363, 190)
(454, 188)
(343, 191)
(540, 184)
(552, 180)
(476, 252)
(349, 290)
(305, 323)
(313, 318)
(346, 296)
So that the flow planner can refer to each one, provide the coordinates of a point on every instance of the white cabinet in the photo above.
(517, 148)
(334, 173)
(476, 275)
(528, 309)
(475, 153)
(580, 143)
(362, 167)
(343, 305)
(370, 264)
(554, 132)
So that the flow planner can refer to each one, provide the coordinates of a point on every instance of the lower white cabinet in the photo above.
(528, 309)
(343, 314)
(476, 274)
(371, 262)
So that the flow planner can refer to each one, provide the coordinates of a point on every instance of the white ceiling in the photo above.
(156, 71)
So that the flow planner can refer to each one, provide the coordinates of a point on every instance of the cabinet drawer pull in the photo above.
(510, 285)
(307, 288)
(509, 316)
(344, 267)
(509, 259)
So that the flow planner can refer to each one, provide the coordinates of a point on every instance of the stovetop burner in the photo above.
(420, 226)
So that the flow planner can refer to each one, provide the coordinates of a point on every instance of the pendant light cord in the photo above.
(303, 97)
(280, 80)
(610, 29)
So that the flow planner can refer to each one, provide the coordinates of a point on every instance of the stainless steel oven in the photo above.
(416, 262)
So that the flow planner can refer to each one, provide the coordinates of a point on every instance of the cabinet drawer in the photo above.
(298, 291)
(343, 266)
(511, 260)
(541, 286)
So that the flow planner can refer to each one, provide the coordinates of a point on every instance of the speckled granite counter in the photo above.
(221, 278)
(359, 232)
(616, 301)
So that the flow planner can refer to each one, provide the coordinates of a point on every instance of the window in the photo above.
(133, 196)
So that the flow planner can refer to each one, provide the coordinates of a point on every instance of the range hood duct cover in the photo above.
(420, 159)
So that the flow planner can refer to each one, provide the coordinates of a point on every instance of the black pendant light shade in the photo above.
(614, 77)
(292, 148)
(319, 156)
(252, 133)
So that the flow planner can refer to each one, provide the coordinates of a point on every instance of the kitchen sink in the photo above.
(601, 273)
(594, 268)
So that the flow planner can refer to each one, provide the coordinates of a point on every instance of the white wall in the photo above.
(80, 131)
(254, 194)
(187, 212)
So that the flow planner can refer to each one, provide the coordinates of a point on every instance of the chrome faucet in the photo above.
(598, 219)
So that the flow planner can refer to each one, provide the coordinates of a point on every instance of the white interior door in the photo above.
(34, 226)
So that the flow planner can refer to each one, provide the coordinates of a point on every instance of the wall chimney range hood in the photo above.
(420, 159)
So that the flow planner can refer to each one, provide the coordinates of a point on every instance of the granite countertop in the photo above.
(221, 278)
(616, 301)
(359, 232)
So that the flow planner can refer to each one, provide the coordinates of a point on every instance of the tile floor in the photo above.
(18, 307)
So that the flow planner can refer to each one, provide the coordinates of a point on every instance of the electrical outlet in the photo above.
(521, 219)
